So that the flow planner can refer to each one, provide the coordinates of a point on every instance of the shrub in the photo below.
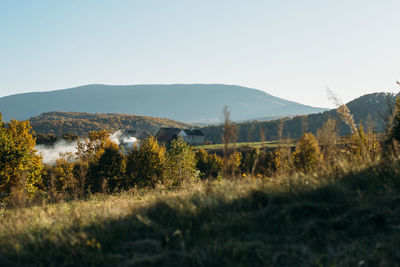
(307, 154)
(209, 165)
(89, 153)
(234, 161)
(364, 146)
(146, 163)
(108, 171)
(62, 177)
(266, 163)
(180, 163)
(282, 161)
(328, 139)
(249, 161)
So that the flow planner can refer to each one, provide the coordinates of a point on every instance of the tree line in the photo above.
(101, 166)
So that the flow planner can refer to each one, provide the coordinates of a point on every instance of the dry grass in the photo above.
(304, 220)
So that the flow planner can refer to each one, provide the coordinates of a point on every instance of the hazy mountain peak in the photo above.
(183, 102)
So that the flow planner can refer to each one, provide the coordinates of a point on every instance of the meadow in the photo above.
(239, 145)
(303, 220)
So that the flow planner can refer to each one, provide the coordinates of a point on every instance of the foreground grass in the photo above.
(303, 221)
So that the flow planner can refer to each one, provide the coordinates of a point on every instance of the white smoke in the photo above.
(51, 153)
(121, 138)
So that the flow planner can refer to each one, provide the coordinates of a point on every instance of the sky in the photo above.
(293, 49)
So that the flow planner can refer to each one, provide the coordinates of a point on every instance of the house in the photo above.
(191, 137)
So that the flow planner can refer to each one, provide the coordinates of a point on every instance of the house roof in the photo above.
(167, 134)
(194, 132)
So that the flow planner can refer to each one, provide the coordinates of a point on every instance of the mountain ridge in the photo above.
(181, 102)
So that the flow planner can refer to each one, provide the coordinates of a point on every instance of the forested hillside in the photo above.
(371, 110)
(79, 123)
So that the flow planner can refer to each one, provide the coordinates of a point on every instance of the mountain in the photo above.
(79, 123)
(189, 103)
(371, 110)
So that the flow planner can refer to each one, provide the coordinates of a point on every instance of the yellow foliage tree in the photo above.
(209, 165)
(364, 146)
(146, 164)
(307, 155)
(93, 147)
(18, 158)
(88, 154)
(65, 180)
(180, 163)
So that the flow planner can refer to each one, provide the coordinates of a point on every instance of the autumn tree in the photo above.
(89, 153)
(62, 178)
(234, 161)
(250, 160)
(18, 158)
(229, 136)
(180, 163)
(146, 163)
(108, 171)
(328, 139)
(307, 155)
(364, 146)
(209, 165)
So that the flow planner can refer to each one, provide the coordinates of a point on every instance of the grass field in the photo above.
(267, 144)
(348, 220)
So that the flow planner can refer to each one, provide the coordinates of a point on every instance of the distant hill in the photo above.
(79, 123)
(371, 109)
(189, 103)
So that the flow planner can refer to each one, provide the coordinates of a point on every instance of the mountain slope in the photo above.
(59, 123)
(370, 110)
(189, 103)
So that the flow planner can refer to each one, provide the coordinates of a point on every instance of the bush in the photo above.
(250, 160)
(88, 166)
(180, 163)
(62, 177)
(233, 163)
(364, 147)
(108, 171)
(266, 163)
(146, 164)
(307, 154)
(209, 165)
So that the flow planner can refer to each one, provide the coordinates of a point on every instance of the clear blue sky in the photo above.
(291, 49)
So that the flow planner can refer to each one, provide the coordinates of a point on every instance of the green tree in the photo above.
(364, 146)
(180, 163)
(108, 172)
(63, 178)
(89, 153)
(209, 165)
(146, 163)
(250, 160)
(234, 161)
(307, 154)
(18, 158)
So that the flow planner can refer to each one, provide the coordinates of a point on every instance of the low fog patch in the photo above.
(51, 153)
